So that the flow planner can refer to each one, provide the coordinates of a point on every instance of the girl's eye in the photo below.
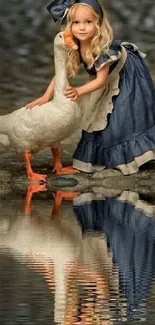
(75, 22)
(89, 21)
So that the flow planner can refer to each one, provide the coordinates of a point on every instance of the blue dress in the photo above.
(128, 140)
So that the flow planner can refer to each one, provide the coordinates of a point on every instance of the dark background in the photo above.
(26, 43)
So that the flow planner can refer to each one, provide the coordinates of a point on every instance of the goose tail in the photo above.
(4, 140)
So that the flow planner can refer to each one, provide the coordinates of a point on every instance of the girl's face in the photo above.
(83, 25)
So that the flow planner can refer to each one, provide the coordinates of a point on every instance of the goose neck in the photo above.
(60, 70)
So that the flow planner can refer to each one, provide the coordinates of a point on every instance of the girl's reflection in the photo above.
(129, 225)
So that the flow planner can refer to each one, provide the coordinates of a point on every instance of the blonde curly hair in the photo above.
(99, 44)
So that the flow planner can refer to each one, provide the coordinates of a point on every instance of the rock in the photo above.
(106, 173)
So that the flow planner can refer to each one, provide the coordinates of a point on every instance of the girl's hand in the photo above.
(39, 101)
(72, 93)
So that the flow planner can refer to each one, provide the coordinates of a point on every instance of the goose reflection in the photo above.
(55, 248)
(46, 245)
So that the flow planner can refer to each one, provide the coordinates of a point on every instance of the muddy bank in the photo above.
(13, 177)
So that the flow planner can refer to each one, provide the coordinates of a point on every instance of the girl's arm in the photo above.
(50, 89)
(46, 96)
(95, 84)
(98, 82)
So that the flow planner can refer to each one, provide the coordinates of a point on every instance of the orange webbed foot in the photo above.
(58, 168)
(31, 175)
(58, 197)
(34, 177)
(65, 195)
(32, 189)
(66, 170)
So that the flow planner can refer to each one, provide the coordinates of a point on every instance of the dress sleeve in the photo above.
(112, 55)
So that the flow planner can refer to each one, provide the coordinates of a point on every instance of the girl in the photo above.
(118, 120)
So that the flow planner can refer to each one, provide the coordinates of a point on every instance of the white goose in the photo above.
(30, 131)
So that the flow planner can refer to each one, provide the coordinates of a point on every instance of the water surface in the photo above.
(92, 263)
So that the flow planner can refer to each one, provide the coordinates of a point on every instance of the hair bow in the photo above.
(59, 8)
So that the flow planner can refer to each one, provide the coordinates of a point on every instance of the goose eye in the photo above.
(60, 36)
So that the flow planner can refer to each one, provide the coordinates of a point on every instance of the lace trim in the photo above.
(125, 196)
(135, 47)
(96, 106)
(126, 169)
(133, 198)
(112, 59)
(133, 167)
(86, 167)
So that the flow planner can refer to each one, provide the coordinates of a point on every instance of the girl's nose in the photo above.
(82, 26)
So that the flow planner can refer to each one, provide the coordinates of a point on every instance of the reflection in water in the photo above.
(130, 230)
(91, 264)
(43, 243)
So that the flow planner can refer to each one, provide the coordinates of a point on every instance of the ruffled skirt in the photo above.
(128, 141)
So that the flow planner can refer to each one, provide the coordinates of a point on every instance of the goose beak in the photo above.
(68, 41)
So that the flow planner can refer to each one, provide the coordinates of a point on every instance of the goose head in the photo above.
(64, 40)
(62, 43)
